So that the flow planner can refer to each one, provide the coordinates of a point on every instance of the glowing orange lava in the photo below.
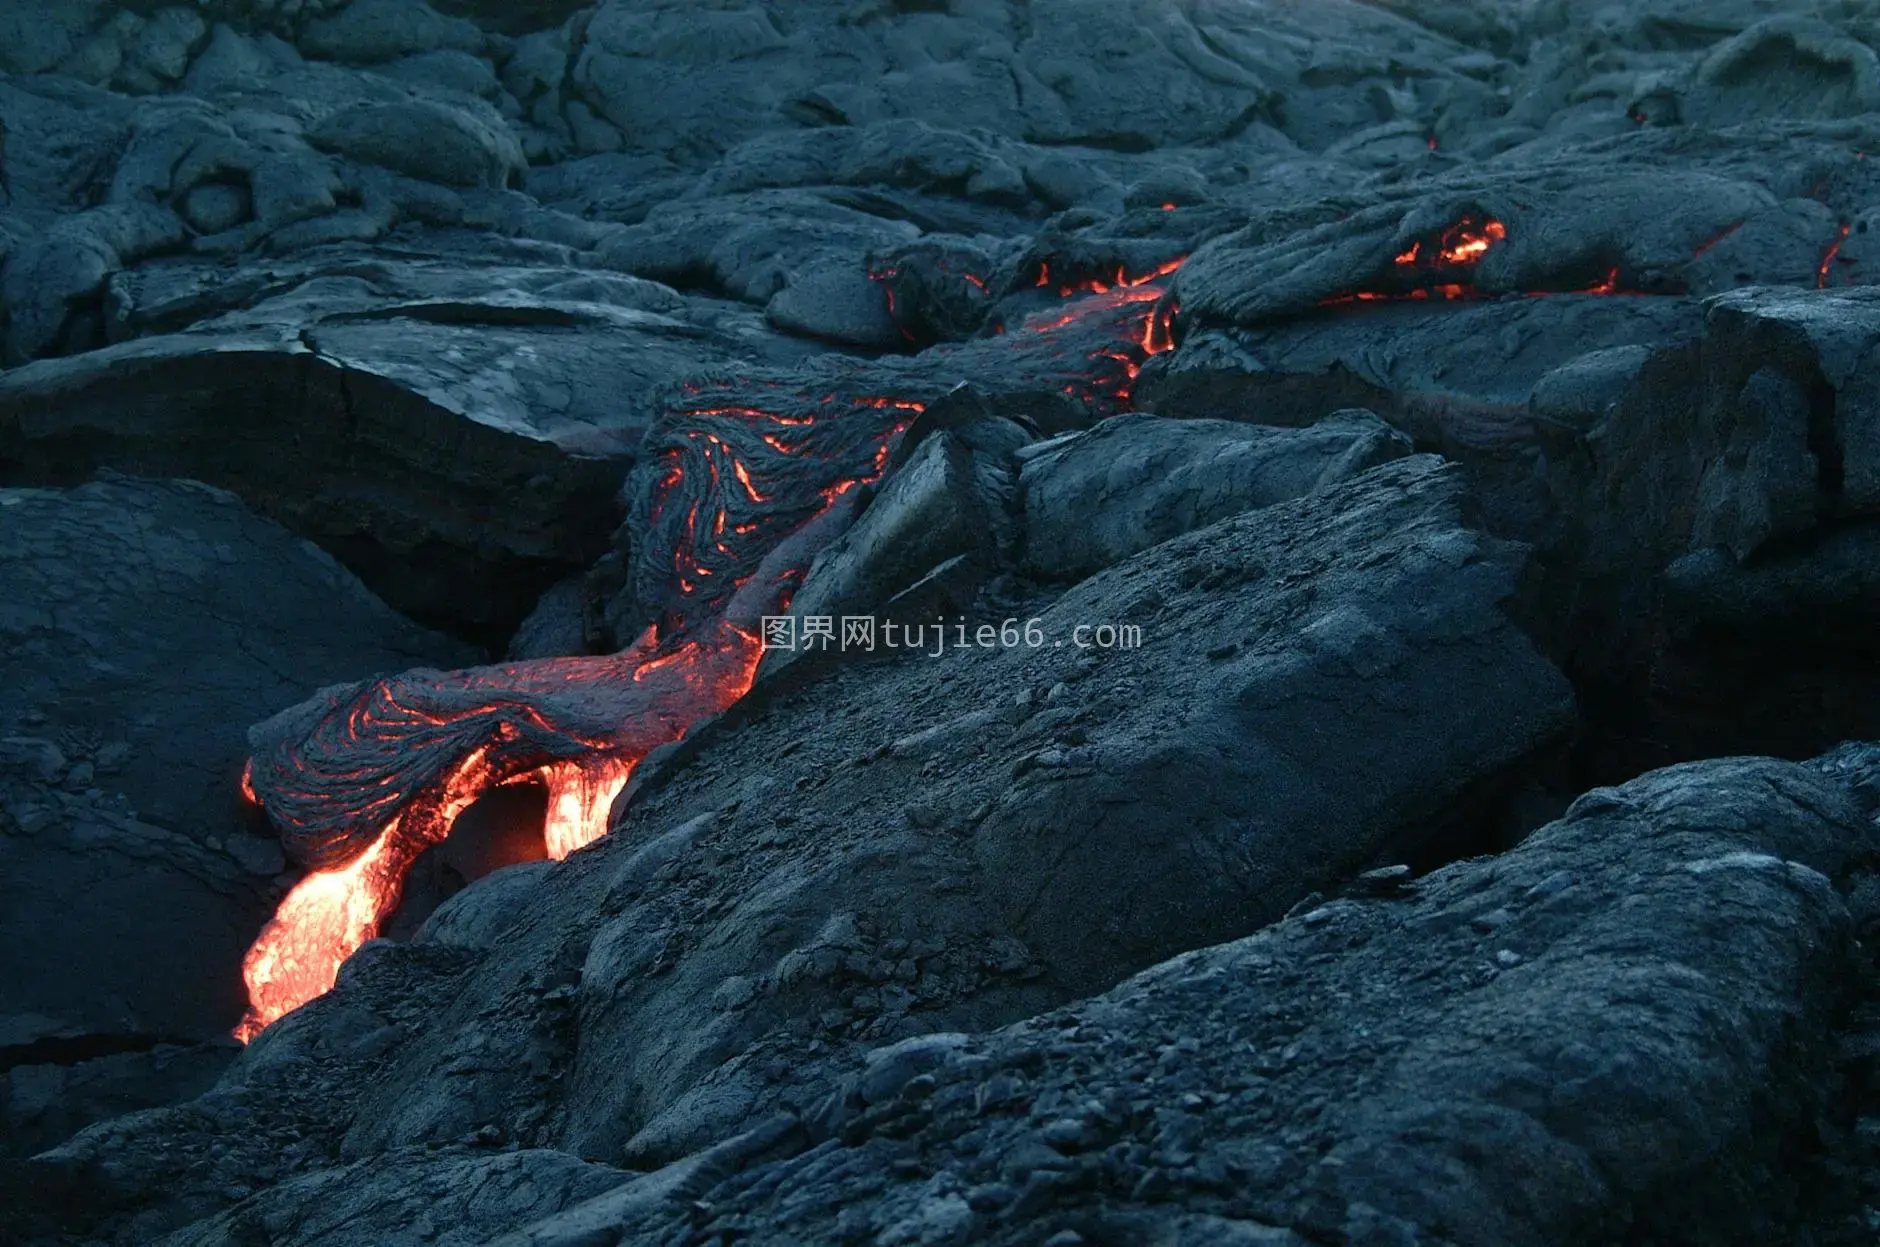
(329, 914)
(319, 924)
(1828, 257)
(363, 776)
(1461, 247)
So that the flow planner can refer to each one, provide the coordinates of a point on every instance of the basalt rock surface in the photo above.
(145, 622)
(1374, 1069)
(1314, 443)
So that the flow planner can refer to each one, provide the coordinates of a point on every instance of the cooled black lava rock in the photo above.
(1383, 1071)
(145, 622)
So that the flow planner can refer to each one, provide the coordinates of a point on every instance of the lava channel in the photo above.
(738, 487)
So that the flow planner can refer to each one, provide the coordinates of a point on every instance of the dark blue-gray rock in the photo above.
(548, 377)
(446, 1197)
(145, 624)
(1093, 499)
(934, 509)
(1791, 66)
(54, 285)
(426, 140)
(478, 916)
(1579, 394)
(213, 207)
(365, 32)
(1389, 1071)
(840, 304)
(1720, 554)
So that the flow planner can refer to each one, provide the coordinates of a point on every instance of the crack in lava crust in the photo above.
(398, 760)
(737, 489)
(1442, 268)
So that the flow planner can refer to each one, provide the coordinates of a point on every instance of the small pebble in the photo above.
(1066, 1134)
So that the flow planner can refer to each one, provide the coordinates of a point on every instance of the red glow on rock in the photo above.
(1606, 285)
(331, 912)
(1434, 261)
(1709, 243)
(744, 479)
(365, 778)
(1158, 330)
(1828, 257)
(1466, 242)
(1442, 268)
(1461, 245)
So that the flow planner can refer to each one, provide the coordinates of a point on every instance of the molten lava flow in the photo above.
(1829, 256)
(1462, 244)
(739, 485)
(1434, 268)
(604, 714)
(1709, 244)
(326, 917)
(1119, 279)
(580, 798)
(1466, 242)
(1441, 269)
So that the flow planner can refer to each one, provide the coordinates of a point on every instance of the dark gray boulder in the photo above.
(145, 624)
(839, 303)
(365, 32)
(1791, 66)
(933, 510)
(1092, 499)
(425, 140)
(454, 431)
(1717, 582)
(163, 618)
(478, 916)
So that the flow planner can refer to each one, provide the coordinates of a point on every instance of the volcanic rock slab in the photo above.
(465, 1197)
(1093, 499)
(1743, 466)
(1373, 1070)
(456, 432)
(144, 623)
